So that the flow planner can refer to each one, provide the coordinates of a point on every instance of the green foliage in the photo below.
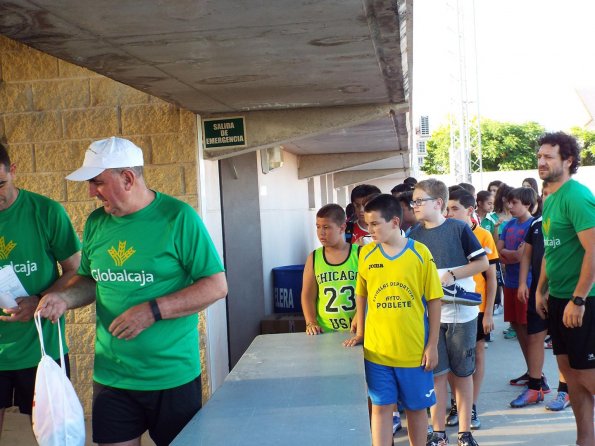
(505, 146)
(586, 139)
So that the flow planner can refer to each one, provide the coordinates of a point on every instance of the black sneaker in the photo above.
(545, 388)
(466, 439)
(475, 423)
(452, 418)
(435, 439)
(522, 380)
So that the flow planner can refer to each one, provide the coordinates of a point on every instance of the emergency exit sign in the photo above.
(224, 132)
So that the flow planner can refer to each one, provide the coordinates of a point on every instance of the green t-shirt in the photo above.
(35, 234)
(489, 223)
(335, 306)
(158, 250)
(565, 213)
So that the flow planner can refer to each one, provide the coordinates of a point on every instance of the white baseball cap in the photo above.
(109, 153)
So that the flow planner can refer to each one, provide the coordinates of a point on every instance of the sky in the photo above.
(532, 57)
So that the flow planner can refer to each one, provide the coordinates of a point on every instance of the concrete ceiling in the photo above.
(229, 56)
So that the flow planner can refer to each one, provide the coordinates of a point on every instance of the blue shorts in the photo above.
(413, 387)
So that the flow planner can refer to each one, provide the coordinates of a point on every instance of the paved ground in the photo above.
(501, 425)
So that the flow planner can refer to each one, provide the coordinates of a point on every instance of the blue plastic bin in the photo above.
(287, 288)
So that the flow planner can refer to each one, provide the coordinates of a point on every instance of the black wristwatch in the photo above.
(578, 301)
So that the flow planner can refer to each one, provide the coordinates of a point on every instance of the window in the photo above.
(421, 147)
(424, 126)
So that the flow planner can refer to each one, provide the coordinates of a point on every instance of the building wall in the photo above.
(50, 111)
(287, 222)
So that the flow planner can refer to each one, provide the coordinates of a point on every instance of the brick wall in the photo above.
(50, 111)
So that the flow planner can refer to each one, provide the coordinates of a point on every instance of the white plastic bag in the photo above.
(58, 418)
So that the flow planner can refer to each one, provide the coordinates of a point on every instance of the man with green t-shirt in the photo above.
(35, 236)
(150, 266)
(568, 273)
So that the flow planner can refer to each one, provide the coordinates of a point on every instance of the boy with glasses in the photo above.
(458, 256)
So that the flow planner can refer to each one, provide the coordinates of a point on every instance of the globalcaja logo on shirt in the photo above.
(6, 248)
(23, 268)
(121, 256)
(547, 241)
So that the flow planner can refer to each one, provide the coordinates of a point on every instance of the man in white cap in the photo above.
(150, 265)
(35, 236)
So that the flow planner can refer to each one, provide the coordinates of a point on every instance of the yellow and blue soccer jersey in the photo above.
(397, 290)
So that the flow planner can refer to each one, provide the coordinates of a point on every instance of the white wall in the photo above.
(287, 224)
(216, 315)
(514, 178)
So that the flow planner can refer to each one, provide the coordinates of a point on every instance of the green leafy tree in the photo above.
(505, 146)
(587, 140)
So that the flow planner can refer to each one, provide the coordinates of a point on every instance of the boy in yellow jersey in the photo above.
(328, 289)
(398, 317)
(461, 205)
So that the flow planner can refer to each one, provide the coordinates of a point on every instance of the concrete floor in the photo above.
(501, 425)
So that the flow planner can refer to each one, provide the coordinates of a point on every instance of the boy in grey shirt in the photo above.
(458, 256)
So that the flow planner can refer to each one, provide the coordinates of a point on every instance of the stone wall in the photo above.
(50, 111)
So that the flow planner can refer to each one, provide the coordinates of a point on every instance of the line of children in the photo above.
(463, 257)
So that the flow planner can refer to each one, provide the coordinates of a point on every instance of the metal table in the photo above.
(287, 389)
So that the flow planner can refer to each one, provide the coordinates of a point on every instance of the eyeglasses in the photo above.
(420, 201)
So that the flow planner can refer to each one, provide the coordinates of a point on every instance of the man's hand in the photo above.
(573, 315)
(430, 358)
(52, 307)
(523, 293)
(353, 341)
(541, 304)
(132, 322)
(24, 310)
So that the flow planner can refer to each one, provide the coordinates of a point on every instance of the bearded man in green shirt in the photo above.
(150, 266)
(568, 273)
(36, 236)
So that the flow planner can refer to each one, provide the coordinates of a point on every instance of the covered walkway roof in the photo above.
(331, 77)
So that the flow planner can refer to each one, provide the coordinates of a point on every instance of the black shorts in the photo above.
(534, 323)
(17, 387)
(480, 334)
(577, 343)
(122, 415)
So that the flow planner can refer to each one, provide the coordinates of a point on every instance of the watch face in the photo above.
(578, 301)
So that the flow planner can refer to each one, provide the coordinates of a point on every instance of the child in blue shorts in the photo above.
(398, 317)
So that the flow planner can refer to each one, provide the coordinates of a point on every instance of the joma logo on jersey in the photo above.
(122, 254)
(375, 265)
(6, 248)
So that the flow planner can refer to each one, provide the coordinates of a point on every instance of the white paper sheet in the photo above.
(10, 288)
